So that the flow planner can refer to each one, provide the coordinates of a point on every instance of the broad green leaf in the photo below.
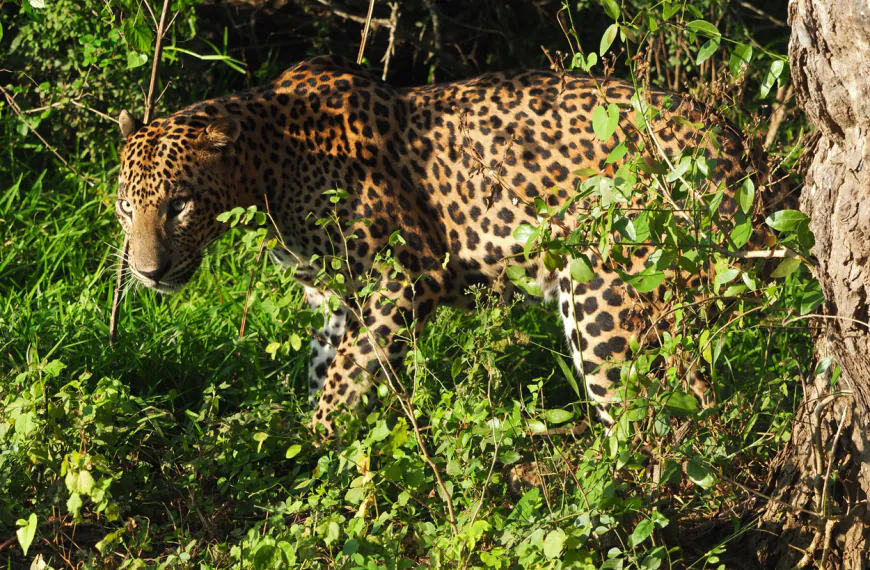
(605, 121)
(380, 432)
(293, 451)
(558, 415)
(785, 220)
(740, 58)
(704, 28)
(705, 346)
(581, 269)
(741, 233)
(811, 301)
(645, 282)
(136, 59)
(554, 542)
(138, 34)
(611, 8)
(509, 457)
(641, 532)
(773, 74)
(617, 153)
(524, 232)
(26, 532)
(708, 49)
(668, 10)
(681, 404)
(746, 195)
(786, 267)
(607, 39)
(81, 482)
(699, 474)
(726, 276)
(53, 368)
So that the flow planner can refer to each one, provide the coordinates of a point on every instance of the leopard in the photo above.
(452, 168)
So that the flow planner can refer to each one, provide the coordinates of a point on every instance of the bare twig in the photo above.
(391, 43)
(155, 64)
(116, 300)
(365, 32)
(251, 286)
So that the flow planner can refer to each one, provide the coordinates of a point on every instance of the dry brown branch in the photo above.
(365, 32)
(155, 63)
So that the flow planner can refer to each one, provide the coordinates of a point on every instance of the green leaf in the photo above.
(646, 281)
(569, 375)
(260, 437)
(509, 457)
(705, 346)
(581, 269)
(726, 276)
(668, 10)
(558, 415)
(708, 49)
(605, 121)
(699, 474)
(811, 301)
(785, 220)
(681, 404)
(617, 153)
(641, 532)
(138, 33)
(741, 232)
(823, 365)
(607, 39)
(380, 432)
(81, 482)
(773, 74)
(746, 195)
(293, 451)
(786, 267)
(26, 532)
(524, 232)
(53, 368)
(554, 543)
(136, 59)
(740, 58)
(704, 28)
(611, 8)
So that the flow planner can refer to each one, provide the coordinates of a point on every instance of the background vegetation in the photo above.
(186, 446)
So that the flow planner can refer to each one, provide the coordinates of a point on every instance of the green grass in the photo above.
(185, 428)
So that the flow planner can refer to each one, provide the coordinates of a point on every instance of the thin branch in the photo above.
(155, 64)
(365, 33)
(116, 300)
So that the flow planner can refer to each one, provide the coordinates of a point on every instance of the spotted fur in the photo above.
(454, 168)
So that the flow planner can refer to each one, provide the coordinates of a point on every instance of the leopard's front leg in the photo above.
(371, 347)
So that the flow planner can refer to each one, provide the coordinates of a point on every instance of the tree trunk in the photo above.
(829, 53)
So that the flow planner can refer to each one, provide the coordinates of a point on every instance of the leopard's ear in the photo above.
(220, 134)
(129, 124)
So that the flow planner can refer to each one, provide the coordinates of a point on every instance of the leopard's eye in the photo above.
(126, 207)
(176, 206)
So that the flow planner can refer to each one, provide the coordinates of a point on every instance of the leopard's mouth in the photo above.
(168, 285)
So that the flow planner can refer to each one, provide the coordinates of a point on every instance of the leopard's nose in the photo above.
(156, 274)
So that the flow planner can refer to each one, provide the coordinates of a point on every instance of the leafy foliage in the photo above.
(187, 445)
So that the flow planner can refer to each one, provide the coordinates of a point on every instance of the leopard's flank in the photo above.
(454, 168)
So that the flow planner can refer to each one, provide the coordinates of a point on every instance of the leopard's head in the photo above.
(177, 175)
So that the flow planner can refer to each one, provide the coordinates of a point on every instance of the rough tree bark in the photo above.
(829, 53)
